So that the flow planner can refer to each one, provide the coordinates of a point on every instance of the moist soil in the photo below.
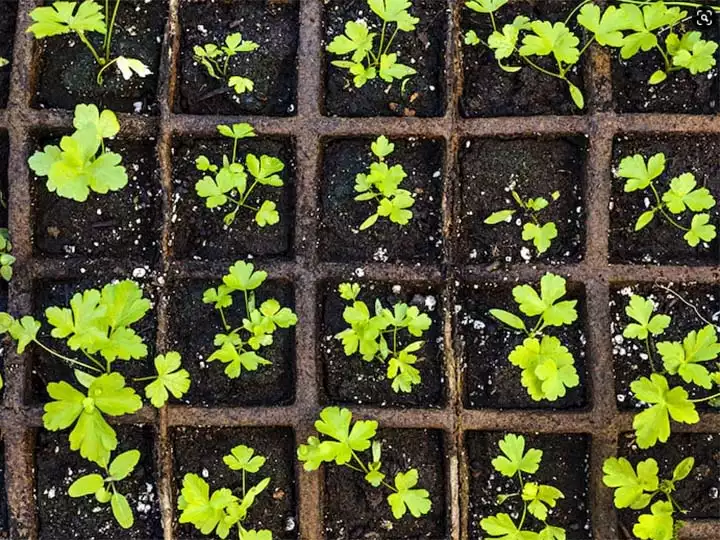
(272, 24)
(3, 492)
(490, 91)
(4, 155)
(58, 467)
(354, 509)
(353, 380)
(418, 241)
(536, 168)
(68, 72)
(120, 224)
(565, 465)
(193, 326)
(660, 242)
(201, 451)
(197, 232)
(423, 50)
(7, 40)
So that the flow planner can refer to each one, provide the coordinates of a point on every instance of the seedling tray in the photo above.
(450, 431)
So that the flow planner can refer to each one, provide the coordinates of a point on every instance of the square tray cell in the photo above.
(201, 451)
(7, 40)
(353, 380)
(272, 66)
(341, 215)
(197, 232)
(62, 516)
(660, 242)
(192, 330)
(490, 91)
(565, 464)
(535, 168)
(67, 72)
(483, 345)
(120, 224)
(354, 509)
(423, 50)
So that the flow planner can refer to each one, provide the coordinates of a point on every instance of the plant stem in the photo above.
(102, 70)
(109, 32)
(94, 361)
(649, 353)
(579, 6)
(89, 45)
(142, 379)
(673, 3)
(224, 321)
(690, 304)
(709, 398)
(70, 360)
(661, 206)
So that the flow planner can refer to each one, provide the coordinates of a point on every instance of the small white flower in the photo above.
(129, 65)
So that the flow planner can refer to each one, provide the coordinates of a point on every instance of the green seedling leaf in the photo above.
(606, 28)
(682, 195)
(243, 277)
(391, 69)
(541, 236)
(513, 321)
(417, 501)
(237, 131)
(267, 214)
(198, 507)
(700, 230)
(122, 511)
(382, 147)
(241, 84)
(86, 485)
(515, 458)
(124, 464)
(658, 525)
(171, 379)
(502, 527)
(640, 174)
(643, 23)
(685, 359)
(499, 217)
(692, 52)
(546, 305)
(540, 498)
(243, 458)
(548, 38)
(641, 310)
(395, 11)
(62, 18)
(644, 220)
(485, 6)
(548, 367)
(357, 40)
(632, 489)
(264, 169)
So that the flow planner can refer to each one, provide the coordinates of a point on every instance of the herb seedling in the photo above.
(82, 163)
(382, 185)
(548, 367)
(345, 440)
(377, 337)
(238, 346)
(223, 510)
(216, 60)
(6, 260)
(228, 183)
(4, 62)
(541, 235)
(683, 198)
(81, 18)
(537, 499)
(366, 61)
(637, 488)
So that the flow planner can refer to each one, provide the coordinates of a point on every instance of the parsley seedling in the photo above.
(216, 60)
(366, 61)
(223, 510)
(548, 367)
(683, 198)
(538, 499)
(237, 346)
(345, 440)
(228, 183)
(81, 18)
(6, 260)
(376, 337)
(540, 234)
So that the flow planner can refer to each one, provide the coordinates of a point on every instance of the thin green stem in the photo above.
(668, 65)
(649, 353)
(382, 38)
(248, 192)
(492, 20)
(224, 320)
(575, 10)
(66, 359)
(660, 205)
(543, 70)
(143, 379)
(235, 145)
(93, 360)
(392, 39)
(243, 482)
(89, 45)
(102, 70)
(109, 32)
(709, 398)
(585, 47)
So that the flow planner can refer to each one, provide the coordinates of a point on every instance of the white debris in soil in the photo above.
(290, 524)
(50, 493)
(359, 272)
(381, 254)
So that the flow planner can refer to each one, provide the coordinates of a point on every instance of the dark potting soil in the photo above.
(3, 497)
(7, 40)
(197, 232)
(484, 344)
(62, 516)
(423, 50)
(354, 509)
(353, 380)
(536, 168)
(201, 451)
(68, 72)
(272, 66)
(193, 327)
(341, 215)
(120, 224)
(4, 157)
(490, 91)
(660, 242)
(565, 465)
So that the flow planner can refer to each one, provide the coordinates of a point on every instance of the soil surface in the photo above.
(565, 465)
(193, 326)
(423, 50)
(536, 168)
(660, 242)
(7, 41)
(490, 91)
(62, 516)
(197, 232)
(201, 451)
(353, 380)
(354, 509)
(4, 155)
(341, 215)
(272, 24)
(3, 492)
(68, 73)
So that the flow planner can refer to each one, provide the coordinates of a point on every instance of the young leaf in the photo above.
(700, 230)
(335, 423)
(128, 66)
(541, 236)
(242, 458)
(243, 277)
(264, 169)
(549, 38)
(632, 490)
(685, 359)
(515, 458)
(683, 469)
(417, 501)
(86, 485)
(513, 321)
(485, 6)
(237, 131)
(548, 367)
(124, 464)
(641, 310)
(170, 378)
(644, 220)
(607, 29)
(122, 511)
(540, 498)
(639, 174)
(61, 18)
(267, 214)
(552, 288)
(241, 84)
(382, 148)
(682, 194)
(395, 11)
(658, 525)
(198, 507)
(499, 217)
(357, 40)
(502, 527)
(391, 69)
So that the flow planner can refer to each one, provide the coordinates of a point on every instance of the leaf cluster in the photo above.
(6, 260)
(216, 60)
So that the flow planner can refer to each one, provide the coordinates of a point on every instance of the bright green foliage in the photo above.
(238, 347)
(6, 260)
(344, 441)
(82, 163)
(641, 310)
(376, 337)
(685, 359)
(540, 234)
(222, 510)
(682, 198)
(170, 378)
(364, 61)
(537, 499)
(228, 183)
(216, 60)
(381, 184)
(4, 62)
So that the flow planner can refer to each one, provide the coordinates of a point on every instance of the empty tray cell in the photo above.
(7, 39)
